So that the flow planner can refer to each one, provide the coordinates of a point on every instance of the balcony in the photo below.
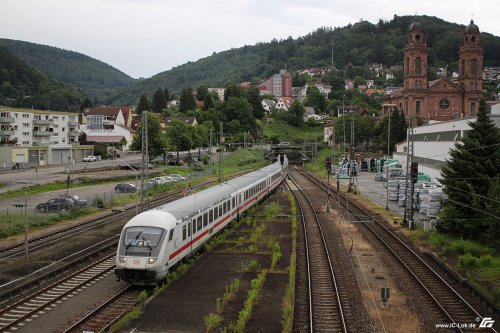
(6, 120)
(42, 133)
(73, 134)
(6, 132)
(73, 123)
(42, 122)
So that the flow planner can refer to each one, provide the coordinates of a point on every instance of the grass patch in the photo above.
(288, 299)
(253, 294)
(286, 132)
(272, 210)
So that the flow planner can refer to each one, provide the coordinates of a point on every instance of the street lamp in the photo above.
(25, 182)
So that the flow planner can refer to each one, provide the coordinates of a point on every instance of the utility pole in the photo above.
(211, 141)
(221, 152)
(388, 152)
(144, 156)
(408, 214)
(351, 155)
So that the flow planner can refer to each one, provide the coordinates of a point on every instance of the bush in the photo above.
(468, 261)
(212, 320)
(485, 261)
(97, 202)
(465, 246)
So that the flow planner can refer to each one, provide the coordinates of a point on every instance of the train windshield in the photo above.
(142, 236)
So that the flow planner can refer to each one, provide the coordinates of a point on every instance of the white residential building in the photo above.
(39, 137)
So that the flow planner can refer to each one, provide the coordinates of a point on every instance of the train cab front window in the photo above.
(148, 237)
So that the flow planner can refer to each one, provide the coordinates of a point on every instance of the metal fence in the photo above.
(12, 220)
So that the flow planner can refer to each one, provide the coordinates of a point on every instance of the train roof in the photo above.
(191, 204)
(153, 218)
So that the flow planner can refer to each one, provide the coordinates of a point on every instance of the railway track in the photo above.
(454, 308)
(22, 312)
(325, 297)
(102, 317)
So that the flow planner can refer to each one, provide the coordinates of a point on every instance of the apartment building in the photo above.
(38, 137)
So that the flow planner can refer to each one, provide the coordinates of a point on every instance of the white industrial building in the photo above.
(432, 142)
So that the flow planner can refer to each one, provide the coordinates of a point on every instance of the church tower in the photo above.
(415, 58)
(470, 68)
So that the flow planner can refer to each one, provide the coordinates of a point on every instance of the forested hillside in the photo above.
(93, 77)
(360, 44)
(23, 86)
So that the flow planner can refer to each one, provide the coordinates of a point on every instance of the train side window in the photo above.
(220, 211)
(199, 222)
(184, 232)
(205, 219)
(224, 207)
(194, 226)
(234, 200)
(171, 235)
(211, 216)
(189, 228)
(216, 213)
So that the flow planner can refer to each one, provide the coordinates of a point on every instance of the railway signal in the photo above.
(328, 165)
(414, 171)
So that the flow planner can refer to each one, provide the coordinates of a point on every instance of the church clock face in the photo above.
(444, 104)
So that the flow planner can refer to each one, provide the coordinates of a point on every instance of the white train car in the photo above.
(154, 241)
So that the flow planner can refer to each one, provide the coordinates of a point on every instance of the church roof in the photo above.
(416, 26)
(471, 28)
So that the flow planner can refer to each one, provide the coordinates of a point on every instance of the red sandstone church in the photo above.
(441, 99)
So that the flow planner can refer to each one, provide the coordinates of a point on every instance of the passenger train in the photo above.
(155, 240)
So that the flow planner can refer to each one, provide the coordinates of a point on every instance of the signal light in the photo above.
(414, 171)
(328, 164)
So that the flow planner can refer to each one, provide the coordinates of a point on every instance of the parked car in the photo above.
(90, 158)
(176, 162)
(159, 180)
(79, 202)
(177, 178)
(55, 205)
(125, 188)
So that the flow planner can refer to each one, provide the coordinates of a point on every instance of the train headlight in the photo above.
(151, 260)
(122, 259)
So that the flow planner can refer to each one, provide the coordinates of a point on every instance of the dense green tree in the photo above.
(157, 142)
(187, 101)
(363, 129)
(296, 114)
(233, 90)
(398, 131)
(166, 93)
(143, 105)
(179, 136)
(299, 80)
(208, 102)
(254, 98)
(315, 99)
(238, 108)
(201, 92)
(470, 178)
(212, 115)
(87, 103)
(158, 103)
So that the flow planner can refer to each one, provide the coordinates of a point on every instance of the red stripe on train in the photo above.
(187, 245)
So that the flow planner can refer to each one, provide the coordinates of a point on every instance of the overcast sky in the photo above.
(146, 37)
